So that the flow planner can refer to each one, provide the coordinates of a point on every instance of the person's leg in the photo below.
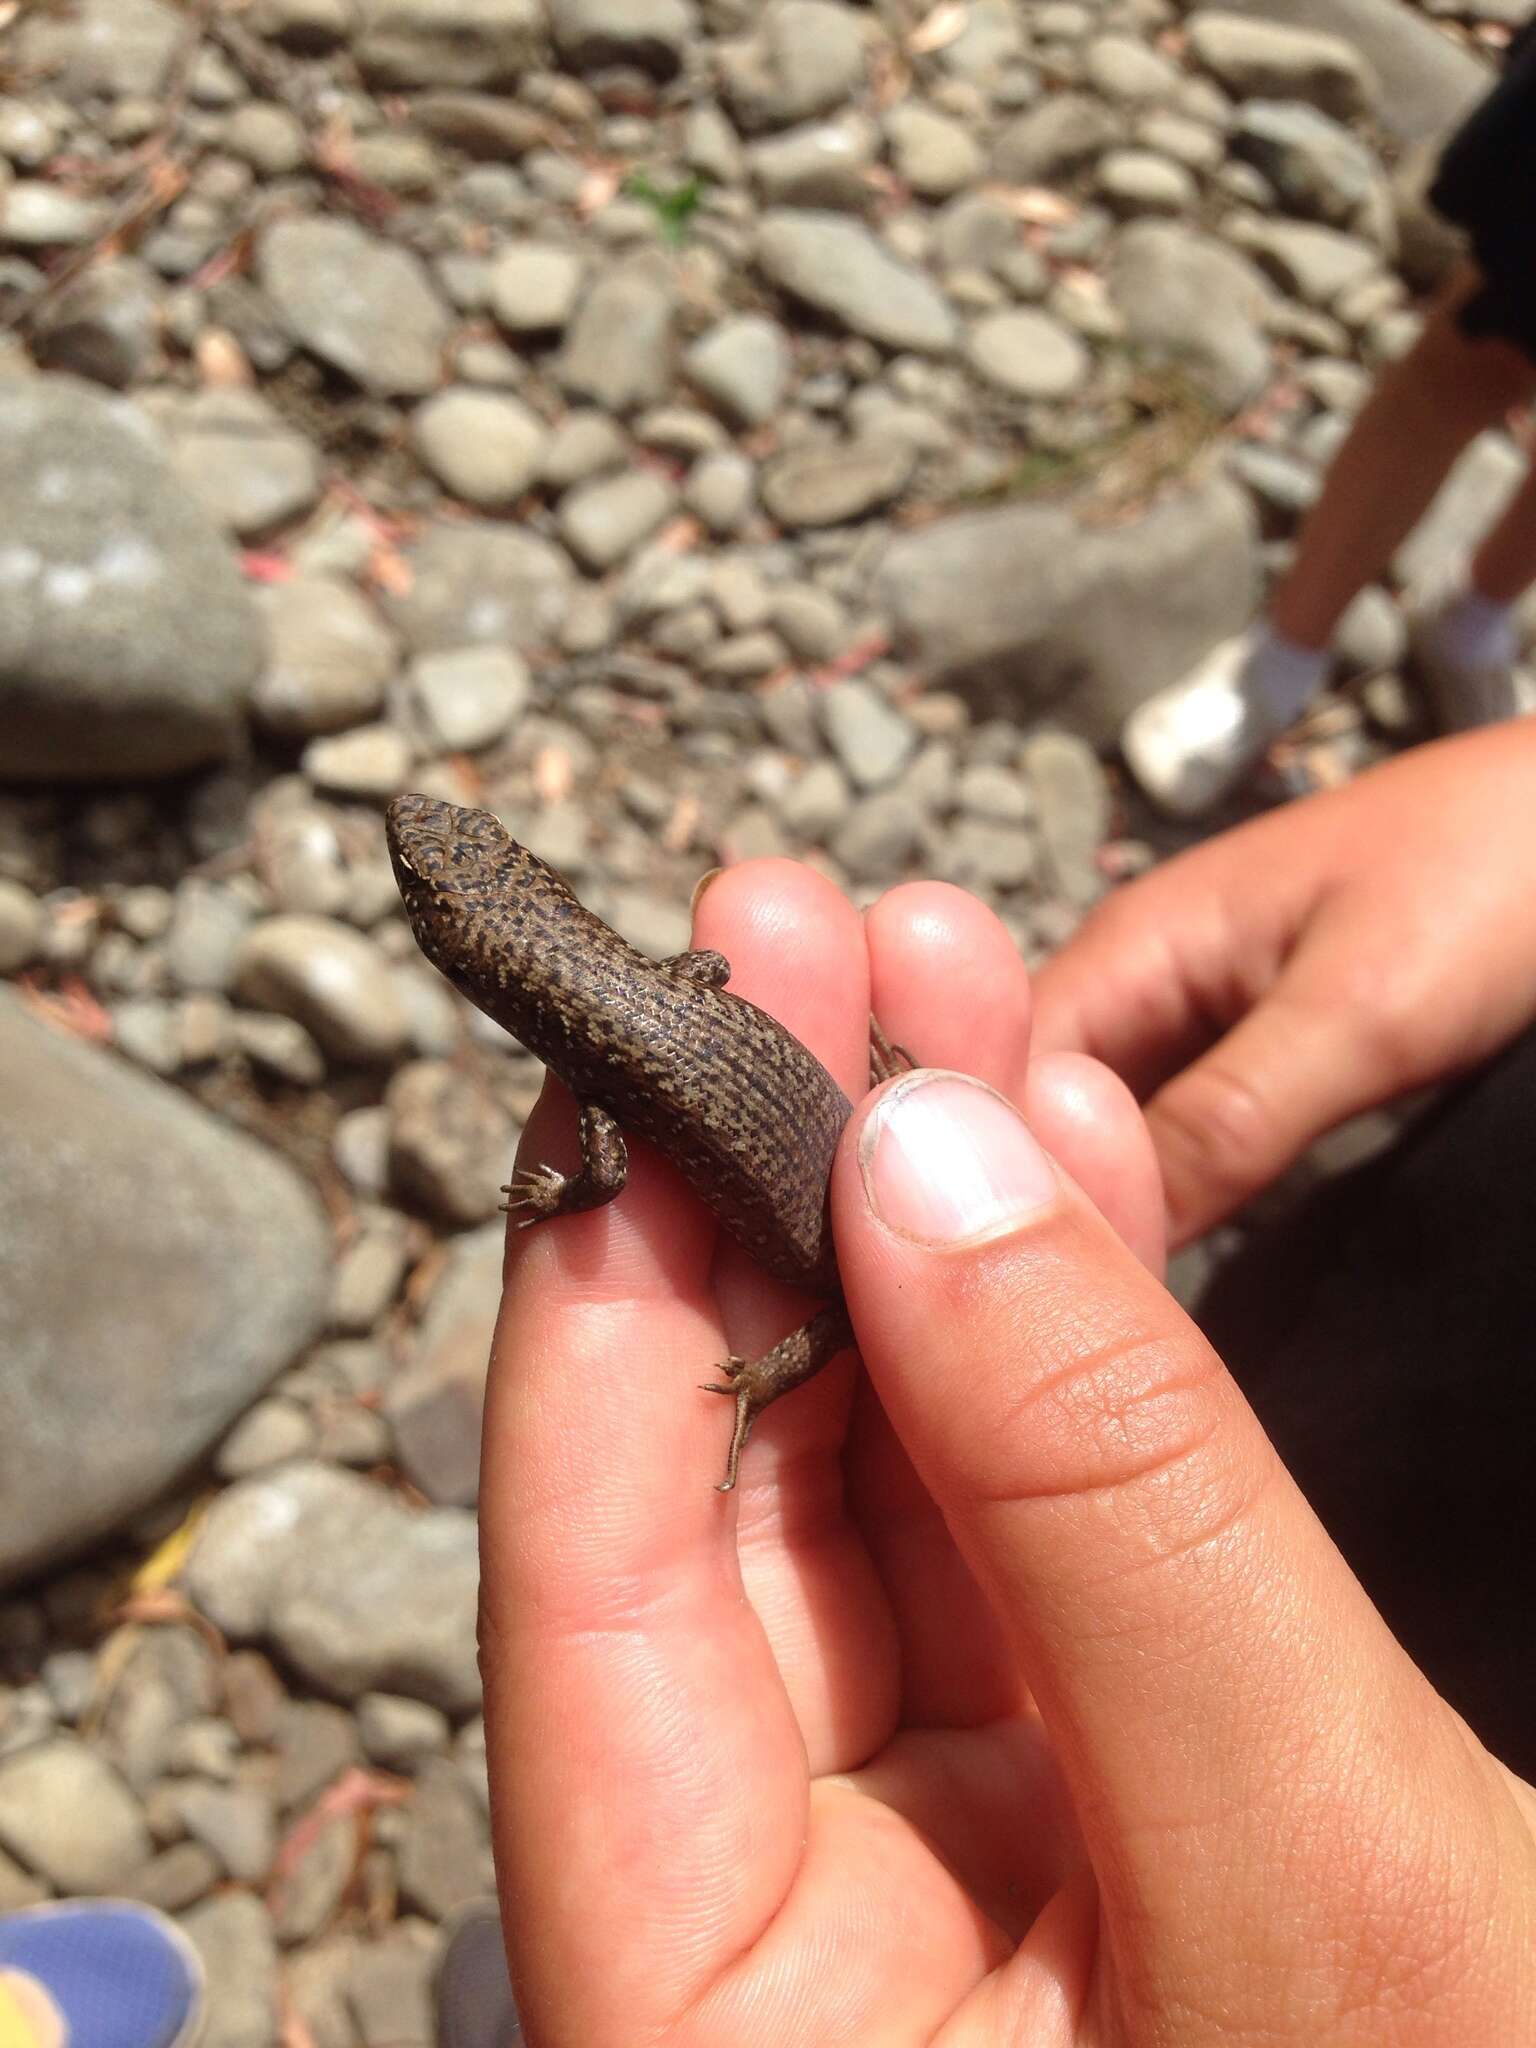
(1193, 743)
(1425, 409)
(1504, 566)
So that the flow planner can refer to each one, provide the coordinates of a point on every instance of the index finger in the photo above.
(649, 1781)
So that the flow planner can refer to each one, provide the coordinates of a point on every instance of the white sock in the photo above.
(1473, 633)
(1283, 676)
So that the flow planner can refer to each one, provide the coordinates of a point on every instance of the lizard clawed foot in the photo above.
(540, 1189)
(749, 1401)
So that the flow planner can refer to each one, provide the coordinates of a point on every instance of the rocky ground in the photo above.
(694, 431)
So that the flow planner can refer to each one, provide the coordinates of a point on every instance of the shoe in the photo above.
(97, 1973)
(1194, 743)
(473, 1999)
(1462, 691)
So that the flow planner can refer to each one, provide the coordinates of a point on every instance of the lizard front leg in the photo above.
(546, 1191)
(755, 1383)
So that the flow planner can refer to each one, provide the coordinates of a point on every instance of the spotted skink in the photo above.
(656, 1048)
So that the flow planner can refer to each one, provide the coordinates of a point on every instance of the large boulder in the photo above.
(1027, 610)
(157, 1270)
(128, 641)
(1425, 80)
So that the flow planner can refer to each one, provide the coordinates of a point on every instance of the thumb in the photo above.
(1227, 1705)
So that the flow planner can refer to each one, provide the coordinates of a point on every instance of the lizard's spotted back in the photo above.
(750, 1117)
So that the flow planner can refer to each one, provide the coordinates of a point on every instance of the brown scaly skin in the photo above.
(655, 1048)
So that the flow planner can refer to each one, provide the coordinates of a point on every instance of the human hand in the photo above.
(1323, 959)
(1015, 1696)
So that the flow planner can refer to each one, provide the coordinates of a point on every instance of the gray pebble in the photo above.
(267, 137)
(390, 1984)
(279, 1046)
(656, 924)
(205, 1747)
(175, 1879)
(364, 305)
(449, 1142)
(827, 164)
(619, 345)
(585, 444)
(721, 490)
(879, 838)
(809, 621)
(367, 1274)
(360, 1149)
(369, 761)
(745, 656)
(208, 925)
(742, 365)
(354, 1589)
(35, 214)
(483, 446)
(827, 483)
(681, 431)
(330, 657)
(397, 1733)
(841, 269)
(444, 1851)
(1028, 354)
(978, 853)
(932, 154)
(869, 736)
(816, 803)
(21, 927)
(711, 145)
(315, 1743)
(468, 697)
(312, 1887)
(801, 58)
(533, 287)
(233, 1935)
(147, 1030)
(233, 1822)
(1073, 806)
(329, 979)
(1372, 636)
(1136, 181)
(67, 1816)
(988, 790)
(104, 325)
(603, 521)
(268, 1434)
(1195, 144)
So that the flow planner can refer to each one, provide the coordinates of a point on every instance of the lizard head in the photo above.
(460, 874)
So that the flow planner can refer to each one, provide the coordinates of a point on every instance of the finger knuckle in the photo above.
(1135, 1426)
(1220, 1120)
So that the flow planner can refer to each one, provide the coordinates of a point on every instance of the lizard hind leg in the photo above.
(756, 1383)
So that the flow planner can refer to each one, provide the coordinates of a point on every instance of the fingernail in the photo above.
(699, 887)
(946, 1159)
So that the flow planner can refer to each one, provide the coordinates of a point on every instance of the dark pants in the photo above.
(1386, 1335)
